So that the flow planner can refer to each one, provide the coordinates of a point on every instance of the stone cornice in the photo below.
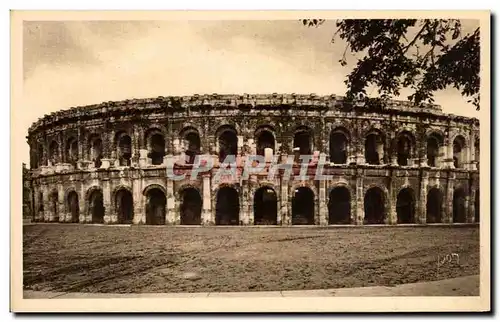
(219, 101)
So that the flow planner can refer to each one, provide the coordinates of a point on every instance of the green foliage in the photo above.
(423, 55)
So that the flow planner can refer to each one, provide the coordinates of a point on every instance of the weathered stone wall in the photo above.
(58, 167)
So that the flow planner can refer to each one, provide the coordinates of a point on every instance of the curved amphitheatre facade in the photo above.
(109, 163)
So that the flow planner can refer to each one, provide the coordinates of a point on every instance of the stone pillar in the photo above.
(139, 202)
(83, 205)
(206, 214)
(448, 215)
(472, 152)
(64, 216)
(241, 140)
(143, 158)
(134, 159)
(46, 203)
(449, 152)
(471, 215)
(171, 217)
(81, 145)
(107, 163)
(285, 205)
(421, 216)
(360, 152)
(322, 207)
(106, 198)
(392, 215)
(244, 202)
(358, 215)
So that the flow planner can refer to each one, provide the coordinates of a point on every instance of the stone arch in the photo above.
(123, 202)
(227, 205)
(95, 149)
(155, 204)
(405, 206)
(191, 143)
(459, 151)
(227, 141)
(190, 205)
(303, 206)
(73, 205)
(265, 138)
(222, 124)
(375, 147)
(303, 140)
(54, 204)
(375, 205)
(459, 209)
(123, 143)
(339, 145)
(434, 206)
(54, 152)
(71, 153)
(265, 202)
(339, 205)
(95, 202)
(405, 146)
(155, 144)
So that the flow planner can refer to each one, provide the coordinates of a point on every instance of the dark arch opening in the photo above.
(432, 151)
(303, 206)
(265, 206)
(405, 206)
(374, 206)
(193, 144)
(157, 148)
(96, 207)
(227, 209)
(228, 144)
(374, 149)
(95, 151)
(124, 205)
(74, 206)
(265, 140)
(434, 206)
(191, 205)
(404, 147)
(459, 215)
(54, 205)
(40, 159)
(476, 207)
(339, 206)
(458, 152)
(338, 148)
(155, 207)
(41, 207)
(54, 152)
(124, 150)
(303, 141)
(72, 151)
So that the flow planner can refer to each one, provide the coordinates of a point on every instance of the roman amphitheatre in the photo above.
(403, 187)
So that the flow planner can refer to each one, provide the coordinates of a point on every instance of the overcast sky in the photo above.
(74, 63)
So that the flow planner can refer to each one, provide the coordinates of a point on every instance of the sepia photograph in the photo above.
(273, 161)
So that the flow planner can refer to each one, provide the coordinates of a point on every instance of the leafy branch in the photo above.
(436, 57)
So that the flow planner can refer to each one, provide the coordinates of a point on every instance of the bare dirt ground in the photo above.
(86, 258)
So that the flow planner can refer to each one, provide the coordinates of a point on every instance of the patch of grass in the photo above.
(85, 258)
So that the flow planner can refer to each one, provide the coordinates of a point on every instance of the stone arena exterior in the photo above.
(108, 163)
